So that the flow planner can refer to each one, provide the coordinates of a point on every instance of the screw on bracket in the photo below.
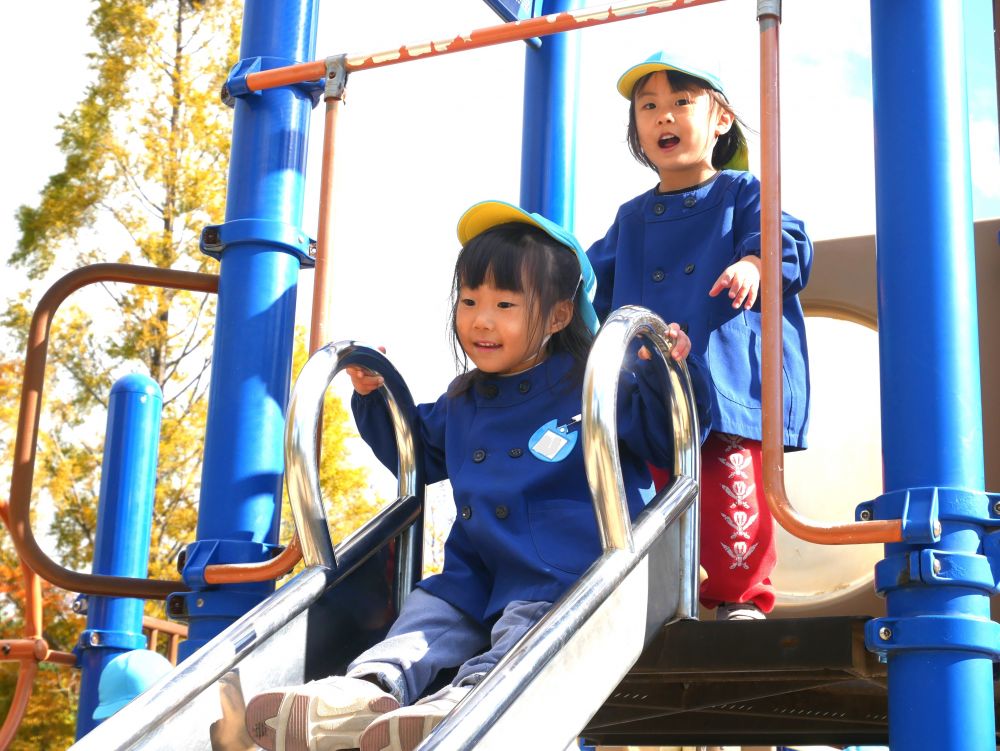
(865, 515)
(885, 633)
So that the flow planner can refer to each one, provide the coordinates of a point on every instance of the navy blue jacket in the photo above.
(525, 528)
(665, 251)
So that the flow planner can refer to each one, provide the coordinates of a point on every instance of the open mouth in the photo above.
(665, 142)
(487, 345)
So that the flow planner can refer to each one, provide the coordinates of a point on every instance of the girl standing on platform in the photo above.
(689, 249)
(506, 434)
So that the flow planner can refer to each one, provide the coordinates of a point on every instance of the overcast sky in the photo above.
(419, 143)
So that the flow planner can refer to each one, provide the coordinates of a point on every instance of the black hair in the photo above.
(522, 258)
(729, 143)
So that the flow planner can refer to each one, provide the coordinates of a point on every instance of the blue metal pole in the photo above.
(262, 247)
(937, 636)
(548, 169)
(124, 519)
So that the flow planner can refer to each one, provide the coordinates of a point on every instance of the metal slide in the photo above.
(561, 672)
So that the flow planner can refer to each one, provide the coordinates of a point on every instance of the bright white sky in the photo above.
(419, 143)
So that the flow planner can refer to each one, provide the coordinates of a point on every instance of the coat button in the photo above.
(502, 512)
(690, 201)
(478, 455)
(524, 387)
(659, 208)
(658, 275)
(689, 268)
(515, 453)
(466, 512)
(490, 390)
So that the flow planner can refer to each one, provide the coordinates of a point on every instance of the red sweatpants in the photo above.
(737, 531)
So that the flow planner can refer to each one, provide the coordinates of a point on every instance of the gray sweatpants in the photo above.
(431, 635)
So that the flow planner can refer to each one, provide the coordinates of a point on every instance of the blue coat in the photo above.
(665, 251)
(525, 527)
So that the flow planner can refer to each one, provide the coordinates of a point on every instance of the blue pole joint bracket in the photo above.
(923, 509)
(99, 638)
(217, 238)
(883, 636)
(935, 568)
(205, 553)
(236, 84)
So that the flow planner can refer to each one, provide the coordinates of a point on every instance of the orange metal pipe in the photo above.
(485, 37)
(22, 475)
(19, 704)
(771, 303)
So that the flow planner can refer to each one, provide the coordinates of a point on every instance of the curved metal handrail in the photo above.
(22, 474)
(600, 432)
(304, 410)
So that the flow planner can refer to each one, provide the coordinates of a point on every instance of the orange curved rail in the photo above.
(22, 475)
(890, 530)
(486, 37)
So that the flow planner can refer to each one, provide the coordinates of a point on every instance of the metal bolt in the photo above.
(937, 566)
(312, 249)
(181, 560)
(211, 236)
(996, 508)
(865, 515)
(885, 633)
(80, 605)
(5, 649)
(199, 603)
(937, 528)
(95, 639)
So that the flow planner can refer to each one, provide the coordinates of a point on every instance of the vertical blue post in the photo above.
(124, 519)
(548, 144)
(261, 250)
(937, 636)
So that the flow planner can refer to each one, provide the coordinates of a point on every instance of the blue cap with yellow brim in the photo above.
(662, 61)
(488, 214)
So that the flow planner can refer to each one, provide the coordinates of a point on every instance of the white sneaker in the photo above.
(739, 611)
(404, 729)
(326, 715)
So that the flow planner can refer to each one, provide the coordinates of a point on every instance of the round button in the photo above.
(524, 387)
(659, 208)
(478, 455)
(466, 512)
(690, 201)
(658, 275)
(689, 268)
(515, 453)
(490, 390)
(502, 512)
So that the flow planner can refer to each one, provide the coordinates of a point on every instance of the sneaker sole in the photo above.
(298, 711)
(410, 732)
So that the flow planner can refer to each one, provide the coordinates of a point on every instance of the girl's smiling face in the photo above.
(678, 130)
(496, 329)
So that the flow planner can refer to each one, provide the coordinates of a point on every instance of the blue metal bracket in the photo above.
(923, 509)
(216, 238)
(236, 83)
(935, 568)
(884, 636)
(208, 552)
(96, 638)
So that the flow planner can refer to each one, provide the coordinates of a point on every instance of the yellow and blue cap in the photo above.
(489, 214)
(662, 61)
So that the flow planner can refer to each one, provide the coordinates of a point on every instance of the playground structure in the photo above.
(934, 516)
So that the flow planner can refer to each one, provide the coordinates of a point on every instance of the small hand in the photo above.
(742, 279)
(364, 380)
(680, 341)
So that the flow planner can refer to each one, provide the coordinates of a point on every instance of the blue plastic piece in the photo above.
(243, 459)
(124, 521)
(940, 671)
(236, 85)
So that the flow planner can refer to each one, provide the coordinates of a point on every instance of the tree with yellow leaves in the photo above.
(146, 159)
